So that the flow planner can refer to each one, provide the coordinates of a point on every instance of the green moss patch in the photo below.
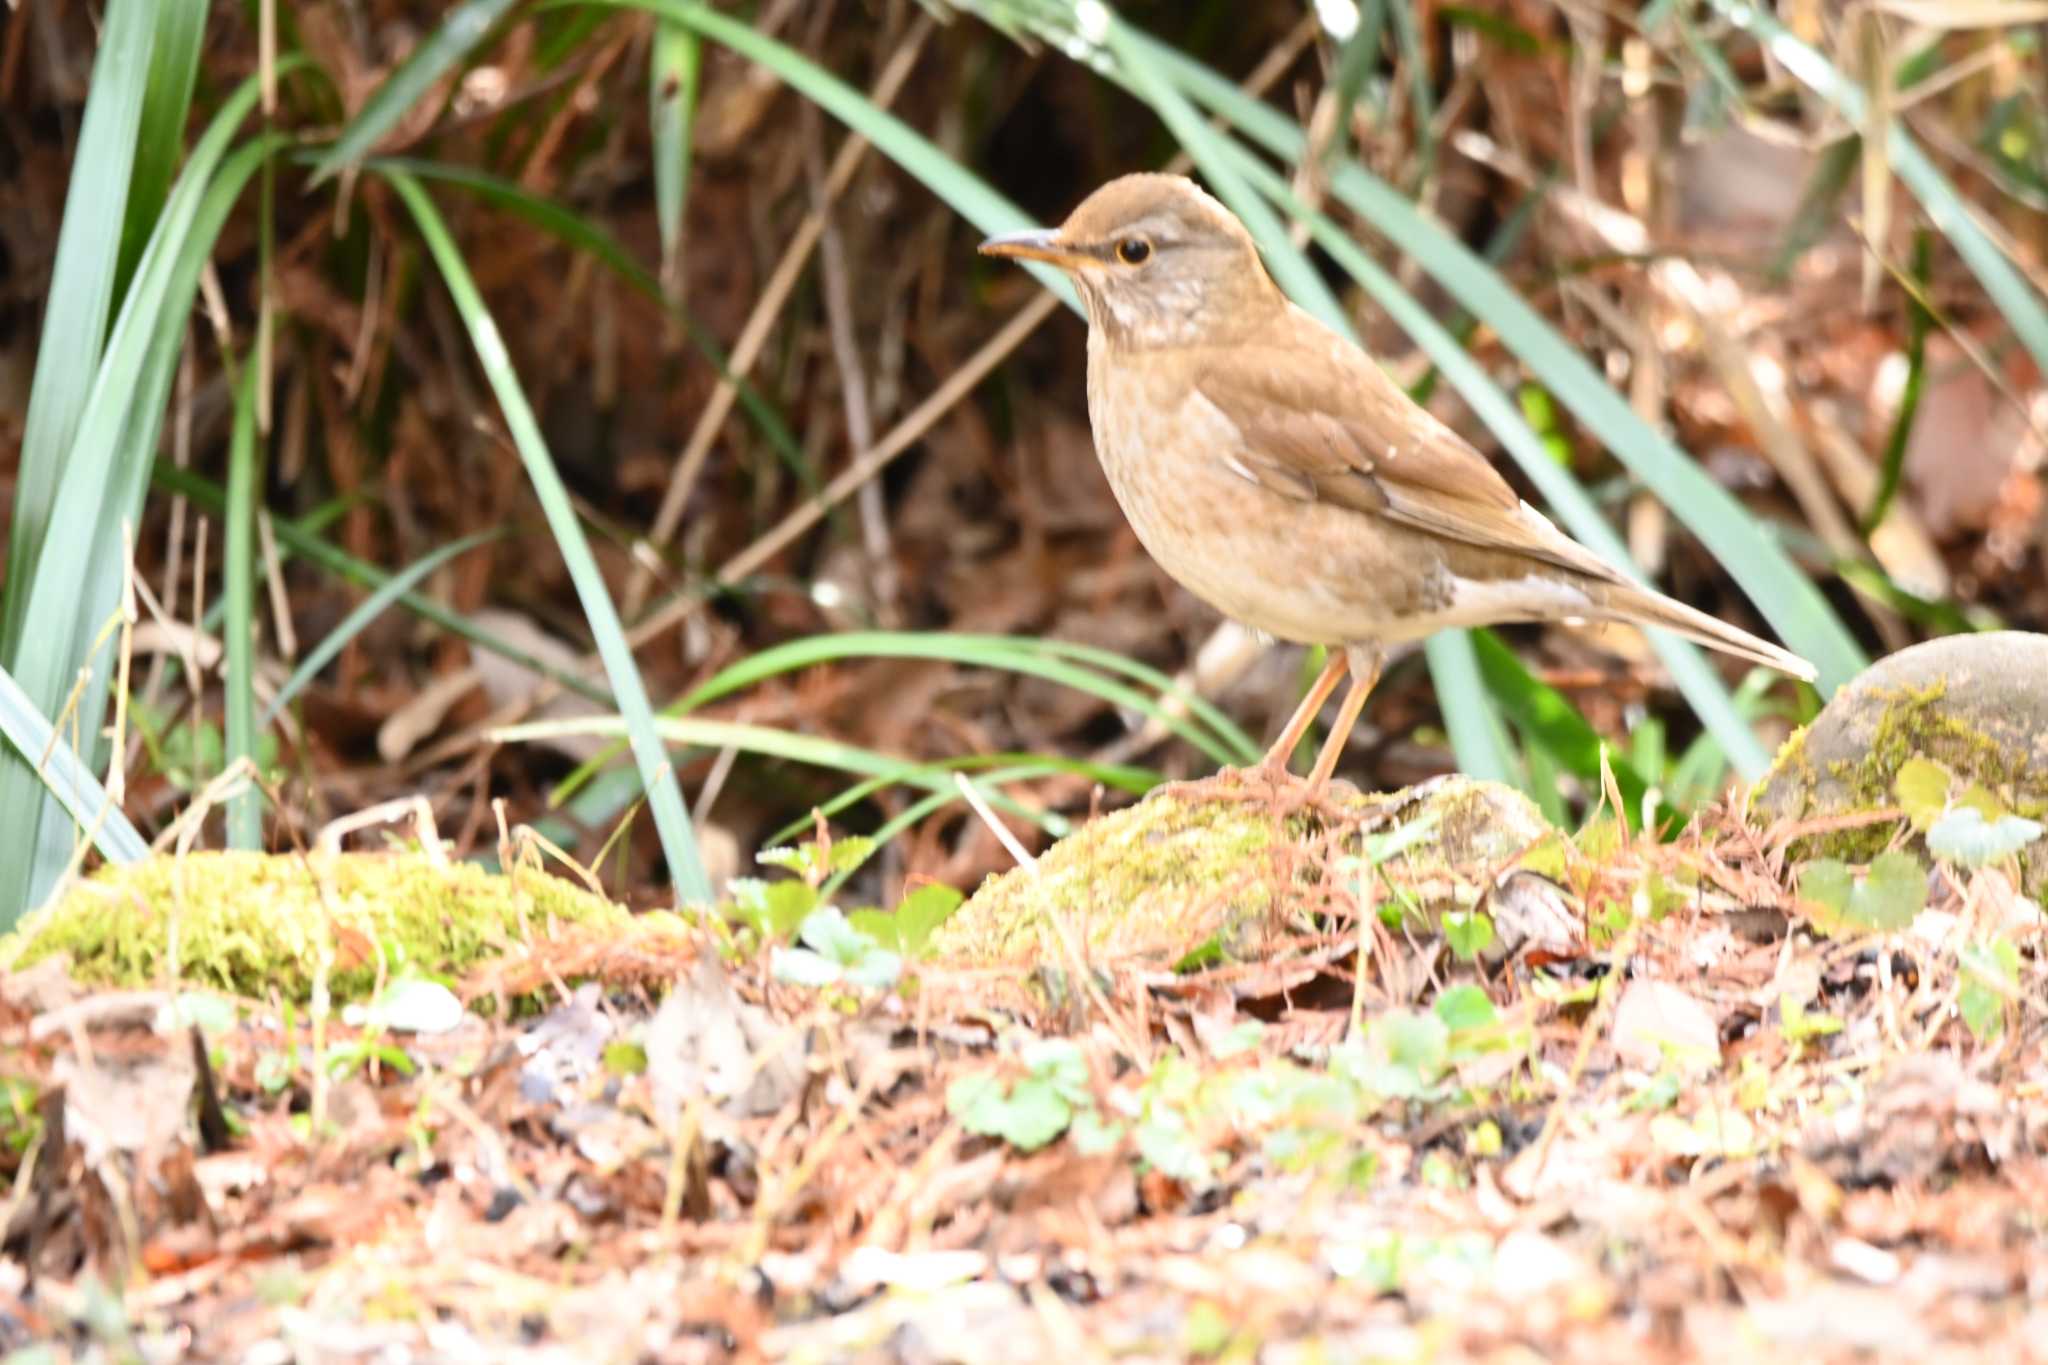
(1974, 707)
(1171, 875)
(254, 924)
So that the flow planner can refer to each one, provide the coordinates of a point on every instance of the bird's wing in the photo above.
(1323, 423)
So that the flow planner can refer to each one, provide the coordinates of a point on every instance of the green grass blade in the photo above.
(665, 795)
(674, 60)
(768, 742)
(1919, 322)
(173, 70)
(1004, 767)
(393, 590)
(295, 538)
(1059, 661)
(1549, 721)
(81, 293)
(579, 233)
(969, 196)
(1049, 659)
(1479, 737)
(67, 777)
(74, 582)
(238, 627)
(445, 48)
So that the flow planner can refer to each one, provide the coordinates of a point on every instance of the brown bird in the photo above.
(1278, 473)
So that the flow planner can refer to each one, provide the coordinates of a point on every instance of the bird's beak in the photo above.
(1034, 244)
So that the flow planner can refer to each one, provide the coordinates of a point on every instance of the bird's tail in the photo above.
(1640, 606)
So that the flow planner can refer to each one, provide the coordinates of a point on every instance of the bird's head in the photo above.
(1157, 260)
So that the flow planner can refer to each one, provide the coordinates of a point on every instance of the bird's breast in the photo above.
(1300, 570)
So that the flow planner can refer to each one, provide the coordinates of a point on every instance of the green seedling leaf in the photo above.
(826, 931)
(815, 862)
(1168, 1145)
(1037, 1108)
(772, 909)
(834, 951)
(1922, 788)
(1469, 932)
(802, 967)
(1094, 1135)
(1891, 893)
(1412, 1051)
(1240, 1038)
(1027, 1115)
(1965, 837)
(1894, 891)
(1465, 1008)
(908, 928)
(1990, 979)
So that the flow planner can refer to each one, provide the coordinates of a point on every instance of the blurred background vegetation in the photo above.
(594, 416)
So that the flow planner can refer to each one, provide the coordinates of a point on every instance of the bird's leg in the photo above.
(1365, 662)
(1274, 764)
(1266, 779)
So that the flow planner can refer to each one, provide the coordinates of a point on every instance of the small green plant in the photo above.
(908, 928)
(1964, 836)
(1892, 891)
(862, 947)
(1469, 932)
(834, 953)
(1033, 1109)
(1966, 824)
(1990, 983)
(187, 753)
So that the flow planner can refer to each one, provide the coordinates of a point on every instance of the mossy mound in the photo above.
(1977, 705)
(253, 923)
(1171, 875)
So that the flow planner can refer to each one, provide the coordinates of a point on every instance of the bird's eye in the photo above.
(1133, 250)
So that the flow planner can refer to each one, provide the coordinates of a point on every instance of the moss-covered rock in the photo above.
(1977, 705)
(1171, 875)
(254, 923)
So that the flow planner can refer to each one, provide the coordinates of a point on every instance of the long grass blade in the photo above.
(581, 234)
(1049, 659)
(1072, 665)
(445, 48)
(160, 142)
(674, 60)
(665, 795)
(968, 195)
(297, 537)
(73, 583)
(238, 627)
(29, 733)
(81, 296)
(393, 590)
